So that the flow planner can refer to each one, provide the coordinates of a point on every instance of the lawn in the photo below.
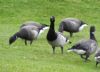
(38, 57)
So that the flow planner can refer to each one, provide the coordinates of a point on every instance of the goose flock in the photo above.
(30, 31)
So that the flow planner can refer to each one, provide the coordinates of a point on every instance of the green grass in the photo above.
(38, 57)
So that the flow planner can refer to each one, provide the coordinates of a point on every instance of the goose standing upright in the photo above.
(86, 47)
(55, 39)
(71, 25)
(97, 57)
(28, 33)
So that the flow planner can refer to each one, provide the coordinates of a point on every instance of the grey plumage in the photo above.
(29, 30)
(35, 24)
(71, 25)
(28, 33)
(31, 23)
(86, 47)
(97, 57)
(55, 39)
(42, 27)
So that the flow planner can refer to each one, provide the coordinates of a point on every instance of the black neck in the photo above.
(52, 25)
(16, 34)
(51, 33)
(92, 36)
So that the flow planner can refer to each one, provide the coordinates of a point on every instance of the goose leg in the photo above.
(82, 57)
(25, 42)
(62, 50)
(53, 50)
(87, 56)
(71, 34)
(96, 64)
(31, 42)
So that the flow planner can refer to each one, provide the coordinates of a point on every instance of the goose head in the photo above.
(92, 31)
(52, 19)
(12, 39)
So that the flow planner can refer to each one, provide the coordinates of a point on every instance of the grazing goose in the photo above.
(71, 25)
(28, 33)
(55, 39)
(36, 24)
(97, 57)
(85, 47)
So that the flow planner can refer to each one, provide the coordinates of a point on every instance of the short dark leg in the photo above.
(71, 34)
(96, 64)
(53, 50)
(25, 42)
(62, 50)
(82, 57)
(31, 42)
(87, 56)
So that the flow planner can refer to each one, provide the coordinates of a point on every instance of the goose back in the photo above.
(70, 25)
(31, 23)
(31, 32)
(88, 45)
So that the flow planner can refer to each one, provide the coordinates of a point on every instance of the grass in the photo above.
(38, 57)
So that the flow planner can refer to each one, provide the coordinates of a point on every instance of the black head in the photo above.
(52, 19)
(12, 39)
(92, 29)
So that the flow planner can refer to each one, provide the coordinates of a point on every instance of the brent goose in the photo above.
(71, 25)
(28, 33)
(86, 47)
(55, 39)
(97, 57)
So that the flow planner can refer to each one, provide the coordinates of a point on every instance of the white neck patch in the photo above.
(93, 32)
(16, 37)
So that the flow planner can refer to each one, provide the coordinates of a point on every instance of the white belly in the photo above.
(97, 59)
(79, 51)
(81, 28)
(35, 33)
(60, 41)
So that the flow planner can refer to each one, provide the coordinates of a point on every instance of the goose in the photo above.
(97, 57)
(71, 25)
(28, 33)
(55, 39)
(85, 47)
(36, 24)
